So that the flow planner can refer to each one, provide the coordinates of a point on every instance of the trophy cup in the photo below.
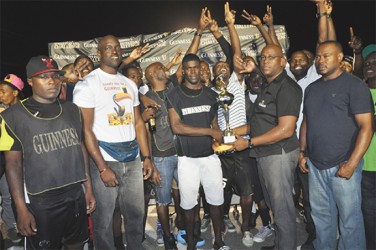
(224, 100)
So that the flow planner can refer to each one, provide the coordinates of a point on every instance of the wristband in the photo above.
(303, 152)
(250, 145)
(197, 34)
(143, 158)
(318, 15)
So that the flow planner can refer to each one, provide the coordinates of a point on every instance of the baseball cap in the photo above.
(368, 50)
(13, 80)
(41, 64)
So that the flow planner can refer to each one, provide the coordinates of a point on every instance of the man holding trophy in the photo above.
(236, 166)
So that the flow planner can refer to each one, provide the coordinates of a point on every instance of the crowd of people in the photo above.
(85, 149)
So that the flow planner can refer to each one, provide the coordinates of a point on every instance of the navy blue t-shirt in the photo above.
(329, 107)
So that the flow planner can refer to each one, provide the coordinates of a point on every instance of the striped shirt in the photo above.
(237, 113)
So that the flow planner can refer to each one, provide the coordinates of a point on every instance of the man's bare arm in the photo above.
(107, 175)
(14, 171)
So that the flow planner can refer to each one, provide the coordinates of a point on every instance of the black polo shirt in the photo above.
(281, 97)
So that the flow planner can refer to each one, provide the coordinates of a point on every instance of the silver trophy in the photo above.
(224, 100)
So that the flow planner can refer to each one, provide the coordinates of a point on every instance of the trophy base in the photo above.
(229, 139)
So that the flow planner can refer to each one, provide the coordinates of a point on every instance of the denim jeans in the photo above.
(369, 207)
(130, 195)
(277, 174)
(168, 168)
(331, 196)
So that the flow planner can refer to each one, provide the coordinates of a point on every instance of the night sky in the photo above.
(28, 26)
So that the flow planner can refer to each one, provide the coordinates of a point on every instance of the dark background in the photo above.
(28, 26)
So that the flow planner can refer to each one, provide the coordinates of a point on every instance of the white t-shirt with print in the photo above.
(113, 97)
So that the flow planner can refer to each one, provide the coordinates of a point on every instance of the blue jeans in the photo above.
(277, 174)
(329, 196)
(130, 195)
(369, 207)
(168, 168)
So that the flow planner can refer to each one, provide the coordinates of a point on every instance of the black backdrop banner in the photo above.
(165, 45)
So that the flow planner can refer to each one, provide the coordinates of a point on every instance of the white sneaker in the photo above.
(160, 241)
(247, 239)
(263, 233)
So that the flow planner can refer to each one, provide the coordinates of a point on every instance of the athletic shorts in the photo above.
(60, 217)
(238, 172)
(204, 170)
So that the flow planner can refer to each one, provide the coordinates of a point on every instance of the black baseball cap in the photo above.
(42, 64)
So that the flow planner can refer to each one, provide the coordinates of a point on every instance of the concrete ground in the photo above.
(233, 240)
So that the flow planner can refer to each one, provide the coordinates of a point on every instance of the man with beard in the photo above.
(333, 155)
(114, 133)
(192, 110)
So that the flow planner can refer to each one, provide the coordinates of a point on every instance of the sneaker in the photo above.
(247, 239)
(14, 236)
(182, 239)
(220, 246)
(205, 223)
(160, 241)
(230, 227)
(263, 233)
(170, 243)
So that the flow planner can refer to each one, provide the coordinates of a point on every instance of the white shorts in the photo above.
(192, 171)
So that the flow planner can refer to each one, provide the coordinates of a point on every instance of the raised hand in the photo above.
(213, 27)
(229, 14)
(139, 51)
(268, 17)
(83, 63)
(355, 42)
(246, 67)
(328, 7)
(253, 19)
(204, 20)
(176, 59)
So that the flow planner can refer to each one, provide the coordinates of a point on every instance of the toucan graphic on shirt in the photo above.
(120, 117)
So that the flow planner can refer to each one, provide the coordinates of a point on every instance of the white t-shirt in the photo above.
(113, 98)
(311, 76)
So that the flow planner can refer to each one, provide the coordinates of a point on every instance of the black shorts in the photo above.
(238, 172)
(60, 216)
